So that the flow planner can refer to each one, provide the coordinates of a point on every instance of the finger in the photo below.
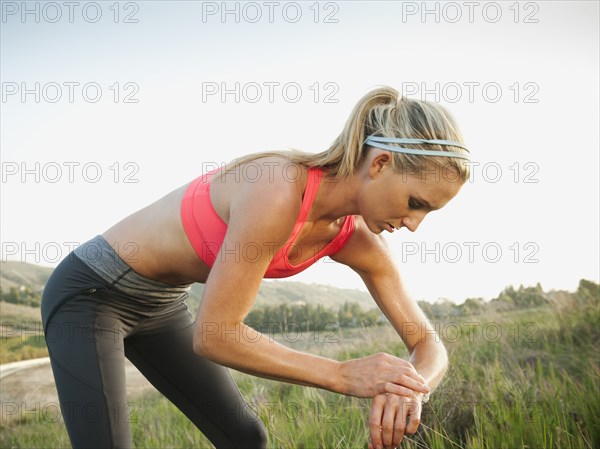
(411, 383)
(414, 412)
(387, 421)
(405, 374)
(390, 387)
(375, 420)
(409, 369)
(399, 425)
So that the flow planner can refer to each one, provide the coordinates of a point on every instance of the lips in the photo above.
(390, 227)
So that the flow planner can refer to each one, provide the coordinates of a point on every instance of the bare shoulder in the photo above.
(262, 213)
(364, 252)
(263, 180)
(266, 180)
(268, 192)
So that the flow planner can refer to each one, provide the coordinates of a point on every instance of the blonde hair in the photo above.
(382, 112)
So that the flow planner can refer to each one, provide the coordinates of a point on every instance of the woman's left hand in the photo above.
(387, 422)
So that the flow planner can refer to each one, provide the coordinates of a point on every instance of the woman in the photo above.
(122, 293)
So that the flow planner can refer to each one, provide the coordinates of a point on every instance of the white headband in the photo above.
(375, 141)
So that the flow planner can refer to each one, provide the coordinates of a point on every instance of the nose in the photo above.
(412, 222)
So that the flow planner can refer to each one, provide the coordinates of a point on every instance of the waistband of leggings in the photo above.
(102, 259)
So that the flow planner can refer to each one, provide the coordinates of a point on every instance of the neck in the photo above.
(335, 199)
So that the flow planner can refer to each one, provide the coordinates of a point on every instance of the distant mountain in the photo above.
(271, 292)
(17, 274)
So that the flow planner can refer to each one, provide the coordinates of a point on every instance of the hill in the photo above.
(18, 274)
(22, 275)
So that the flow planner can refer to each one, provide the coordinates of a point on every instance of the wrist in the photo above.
(336, 382)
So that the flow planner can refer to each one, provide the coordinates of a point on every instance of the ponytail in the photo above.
(384, 113)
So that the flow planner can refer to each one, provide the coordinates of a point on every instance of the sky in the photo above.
(108, 106)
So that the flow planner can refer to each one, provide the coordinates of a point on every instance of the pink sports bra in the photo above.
(206, 230)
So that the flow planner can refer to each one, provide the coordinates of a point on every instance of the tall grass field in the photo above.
(518, 379)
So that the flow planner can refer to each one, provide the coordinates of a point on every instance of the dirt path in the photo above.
(27, 388)
(11, 368)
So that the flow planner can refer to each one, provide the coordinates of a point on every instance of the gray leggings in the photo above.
(97, 312)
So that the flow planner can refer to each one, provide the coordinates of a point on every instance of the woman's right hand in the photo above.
(380, 373)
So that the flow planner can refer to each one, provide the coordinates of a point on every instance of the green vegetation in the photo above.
(524, 377)
(25, 296)
(21, 335)
(16, 274)
(24, 347)
(306, 317)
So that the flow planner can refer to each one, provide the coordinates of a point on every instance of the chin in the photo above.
(377, 230)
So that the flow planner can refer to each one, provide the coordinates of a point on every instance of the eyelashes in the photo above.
(413, 204)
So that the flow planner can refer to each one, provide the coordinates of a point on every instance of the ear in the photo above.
(380, 162)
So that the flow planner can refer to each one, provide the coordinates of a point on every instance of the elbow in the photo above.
(216, 343)
(212, 341)
(208, 350)
(437, 353)
(442, 354)
(204, 345)
(444, 361)
(206, 337)
(201, 348)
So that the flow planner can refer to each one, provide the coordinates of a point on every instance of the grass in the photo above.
(524, 379)
(15, 349)
(21, 334)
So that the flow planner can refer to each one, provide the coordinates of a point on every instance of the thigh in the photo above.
(86, 352)
(203, 390)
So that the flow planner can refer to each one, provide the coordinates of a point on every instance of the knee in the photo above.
(261, 437)
(254, 436)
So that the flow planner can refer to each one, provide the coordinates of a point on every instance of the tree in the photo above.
(588, 291)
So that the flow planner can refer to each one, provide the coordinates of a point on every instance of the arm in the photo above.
(427, 354)
(369, 256)
(259, 224)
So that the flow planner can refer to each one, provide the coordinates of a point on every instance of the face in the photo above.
(399, 199)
